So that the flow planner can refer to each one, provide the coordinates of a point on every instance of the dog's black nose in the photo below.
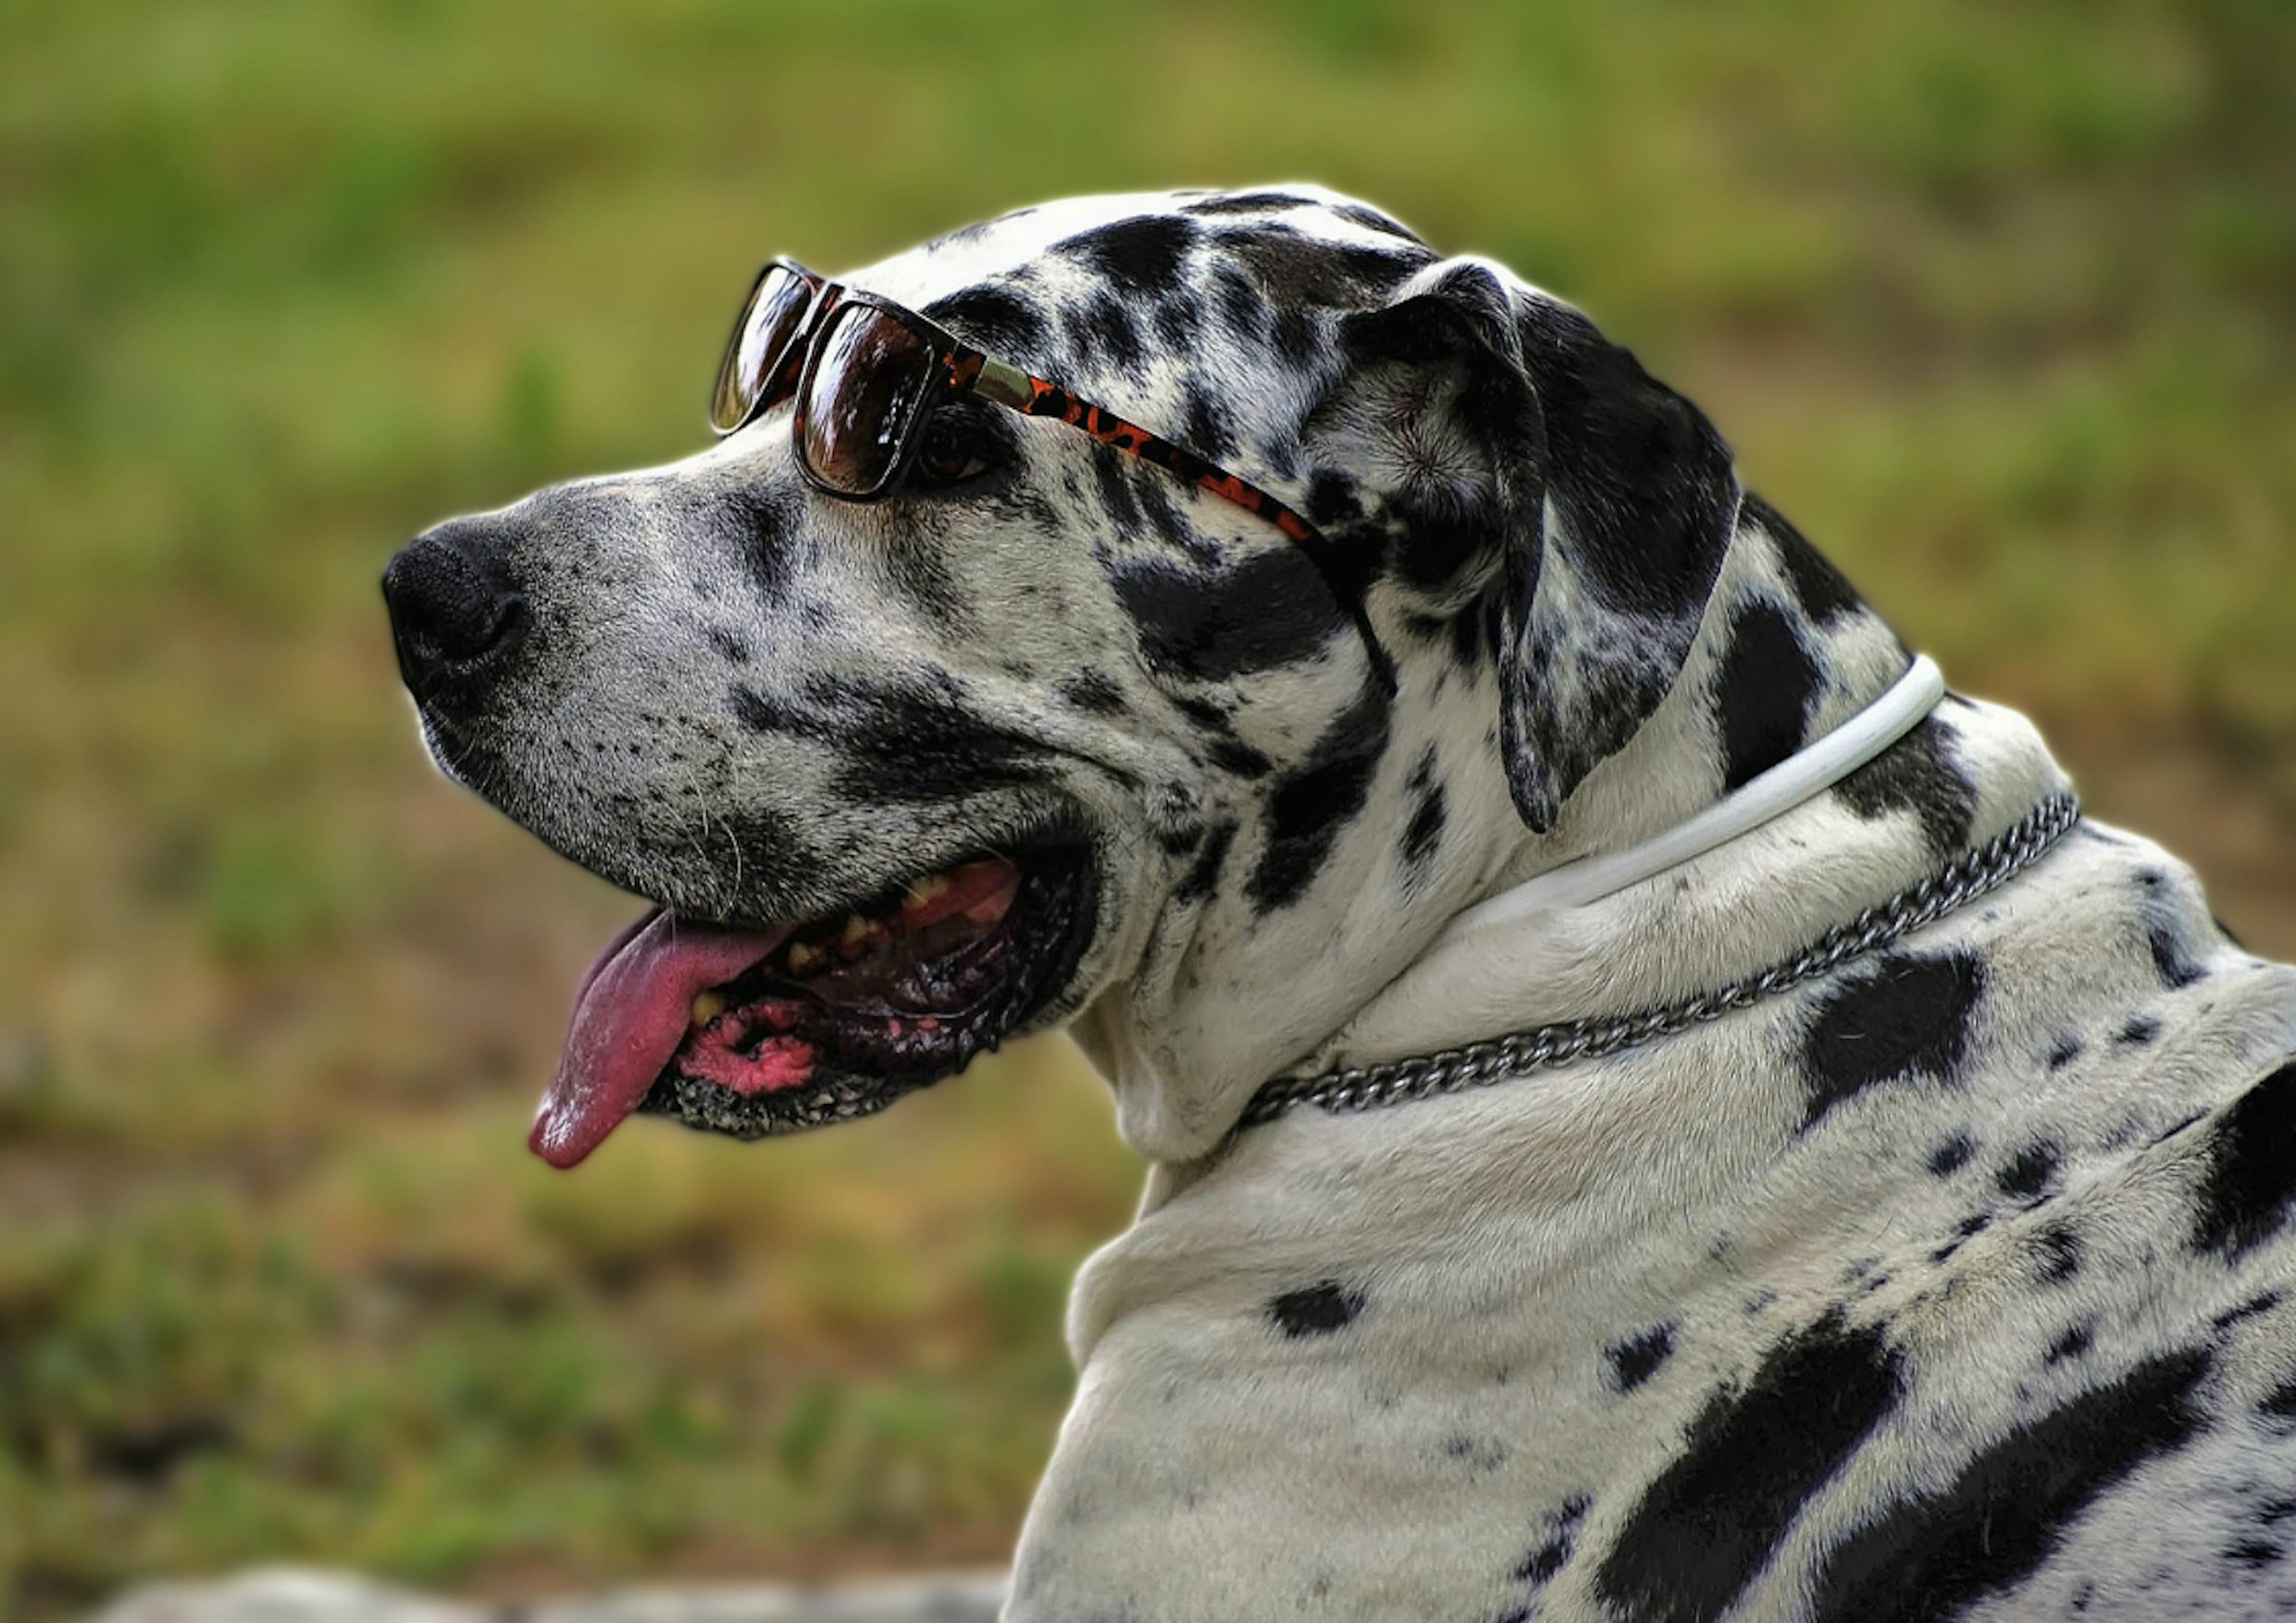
(455, 612)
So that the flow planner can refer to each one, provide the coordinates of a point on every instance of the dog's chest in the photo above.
(1671, 1335)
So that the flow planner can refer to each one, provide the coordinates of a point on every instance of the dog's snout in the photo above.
(455, 612)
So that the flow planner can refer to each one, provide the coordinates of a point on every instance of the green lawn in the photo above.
(1998, 302)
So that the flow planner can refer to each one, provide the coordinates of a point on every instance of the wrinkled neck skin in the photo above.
(1784, 653)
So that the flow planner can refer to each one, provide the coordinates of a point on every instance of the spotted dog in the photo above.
(1952, 1279)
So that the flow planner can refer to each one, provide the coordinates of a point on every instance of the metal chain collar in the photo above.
(1362, 1088)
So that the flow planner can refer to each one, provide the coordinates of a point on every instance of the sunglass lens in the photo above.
(862, 402)
(775, 309)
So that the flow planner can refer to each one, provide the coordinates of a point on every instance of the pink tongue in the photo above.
(630, 1014)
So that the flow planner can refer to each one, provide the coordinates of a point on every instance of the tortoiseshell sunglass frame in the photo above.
(963, 370)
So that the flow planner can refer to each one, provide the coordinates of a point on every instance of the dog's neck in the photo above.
(1786, 653)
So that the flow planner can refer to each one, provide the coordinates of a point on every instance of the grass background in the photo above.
(1998, 302)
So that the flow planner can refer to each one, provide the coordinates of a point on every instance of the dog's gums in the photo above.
(754, 1030)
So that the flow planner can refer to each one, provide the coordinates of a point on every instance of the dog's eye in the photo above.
(957, 448)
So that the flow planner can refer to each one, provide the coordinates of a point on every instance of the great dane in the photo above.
(1653, 1113)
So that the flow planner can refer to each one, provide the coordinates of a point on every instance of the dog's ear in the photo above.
(1597, 501)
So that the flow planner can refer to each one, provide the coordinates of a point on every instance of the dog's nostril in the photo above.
(450, 602)
(483, 634)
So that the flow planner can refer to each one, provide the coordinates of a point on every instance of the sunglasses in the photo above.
(867, 375)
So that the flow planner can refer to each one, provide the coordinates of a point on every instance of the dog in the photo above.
(1876, 1207)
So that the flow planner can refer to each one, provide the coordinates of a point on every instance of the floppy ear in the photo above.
(1603, 499)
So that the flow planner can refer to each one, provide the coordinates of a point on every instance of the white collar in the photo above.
(1807, 772)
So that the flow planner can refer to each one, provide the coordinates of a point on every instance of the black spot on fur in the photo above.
(1931, 1553)
(2075, 1341)
(2243, 1197)
(1917, 774)
(916, 563)
(1975, 1223)
(1312, 803)
(2255, 1306)
(2253, 1553)
(1154, 491)
(2066, 1049)
(1143, 255)
(1475, 633)
(1766, 688)
(914, 741)
(730, 644)
(1636, 1358)
(2279, 1403)
(1103, 330)
(1952, 1154)
(1824, 592)
(1204, 712)
(1316, 1310)
(1295, 336)
(1177, 316)
(1546, 1557)
(1270, 610)
(767, 518)
(1372, 219)
(761, 712)
(2141, 1029)
(1298, 269)
(1908, 1016)
(1117, 492)
(1202, 877)
(2177, 967)
(1246, 312)
(1206, 427)
(1111, 475)
(1331, 498)
(1181, 840)
(1233, 755)
(1093, 690)
(1424, 831)
(1481, 1454)
(2057, 1253)
(2030, 1172)
(1248, 202)
(1442, 545)
(1752, 1459)
(995, 319)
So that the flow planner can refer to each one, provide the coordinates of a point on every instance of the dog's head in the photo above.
(1052, 728)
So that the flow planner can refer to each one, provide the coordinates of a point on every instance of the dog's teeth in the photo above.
(706, 1006)
(803, 959)
(860, 938)
(923, 892)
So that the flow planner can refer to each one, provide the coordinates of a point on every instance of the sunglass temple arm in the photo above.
(1004, 384)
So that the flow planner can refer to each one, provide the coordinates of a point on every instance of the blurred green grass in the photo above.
(1998, 302)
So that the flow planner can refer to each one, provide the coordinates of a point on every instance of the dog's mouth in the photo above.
(755, 1030)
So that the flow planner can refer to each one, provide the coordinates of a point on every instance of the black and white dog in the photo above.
(1886, 1213)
